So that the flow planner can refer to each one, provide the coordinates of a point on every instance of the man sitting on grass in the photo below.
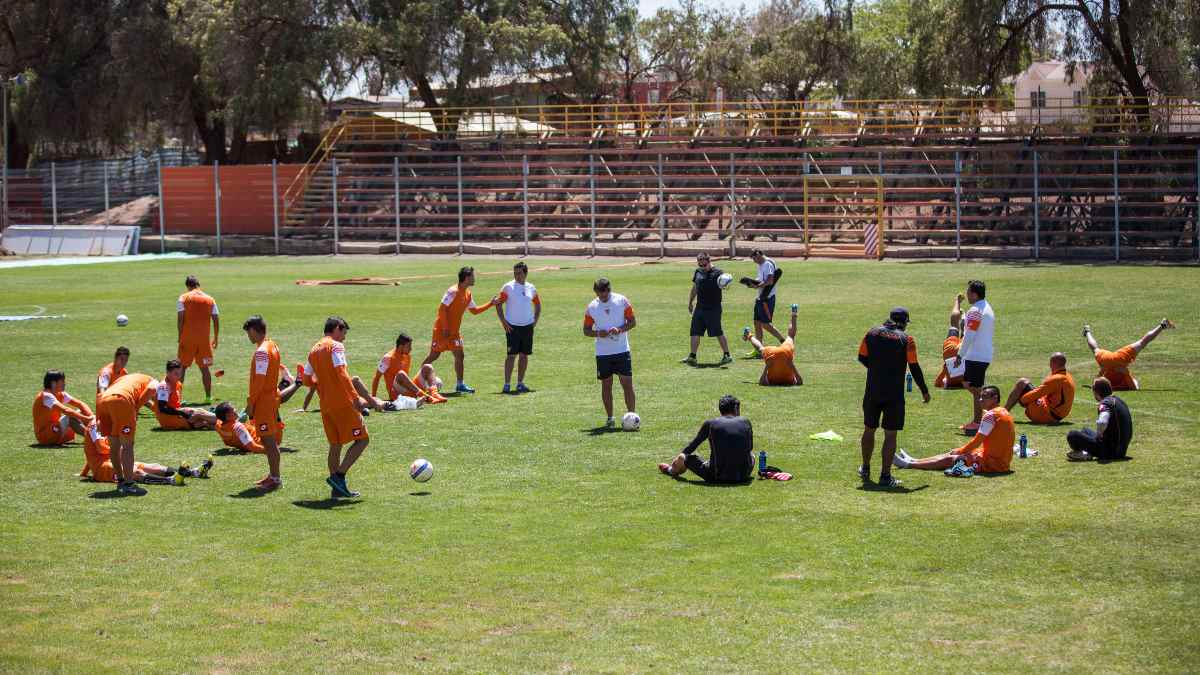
(1114, 366)
(57, 416)
(731, 444)
(403, 391)
(1051, 402)
(168, 406)
(989, 451)
(1114, 428)
(779, 363)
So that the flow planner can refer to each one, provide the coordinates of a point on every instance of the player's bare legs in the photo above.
(352, 454)
(522, 365)
(272, 448)
(1023, 385)
(606, 396)
(362, 390)
(976, 407)
(1149, 337)
(123, 448)
(630, 396)
(1091, 340)
(289, 391)
(956, 313)
(206, 379)
(760, 326)
(509, 362)
(942, 461)
(867, 445)
(459, 364)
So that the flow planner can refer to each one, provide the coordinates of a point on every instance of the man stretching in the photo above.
(779, 363)
(731, 447)
(989, 451)
(446, 335)
(1051, 402)
(1114, 366)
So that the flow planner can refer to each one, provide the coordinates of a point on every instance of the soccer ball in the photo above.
(724, 280)
(122, 320)
(630, 421)
(421, 470)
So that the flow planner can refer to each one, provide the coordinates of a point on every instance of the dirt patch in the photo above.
(141, 211)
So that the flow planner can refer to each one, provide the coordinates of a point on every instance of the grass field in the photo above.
(542, 546)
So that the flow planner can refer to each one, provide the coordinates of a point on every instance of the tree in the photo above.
(797, 46)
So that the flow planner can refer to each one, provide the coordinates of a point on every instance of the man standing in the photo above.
(764, 302)
(519, 308)
(1051, 402)
(976, 349)
(887, 352)
(446, 335)
(1114, 428)
(117, 414)
(1114, 366)
(989, 451)
(706, 316)
(731, 447)
(608, 319)
(112, 372)
(194, 310)
(343, 400)
(262, 403)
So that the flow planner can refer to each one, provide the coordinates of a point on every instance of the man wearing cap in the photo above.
(888, 353)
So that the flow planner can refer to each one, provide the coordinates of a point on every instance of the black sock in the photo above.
(726, 353)
(692, 355)
(341, 475)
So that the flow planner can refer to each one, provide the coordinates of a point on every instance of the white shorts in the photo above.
(405, 403)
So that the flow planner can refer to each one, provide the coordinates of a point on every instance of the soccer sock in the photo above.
(692, 355)
(339, 474)
(726, 353)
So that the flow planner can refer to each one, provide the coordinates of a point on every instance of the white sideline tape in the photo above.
(95, 260)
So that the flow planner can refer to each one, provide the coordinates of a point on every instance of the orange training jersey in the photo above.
(949, 350)
(264, 373)
(779, 363)
(450, 312)
(240, 436)
(45, 414)
(107, 375)
(996, 435)
(136, 388)
(1057, 391)
(328, 361)
(392, 364)
(1115, 366)
(96, 452)
(197, 307)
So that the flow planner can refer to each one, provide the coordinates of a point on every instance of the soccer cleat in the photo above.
(507, 389)
(131, 488)
(1166, 323)
(242, 417)
(462, 388)
(205, 468)
(610, 423)
(389, 407)
(864, 473)
(1086, 329)
(690, 360)
(665, 468)
(960, 470)
(889, 481)
(755, 354)
(338, 483)
(795, 308)
(269, 484)
(725, 360)
(522, 389)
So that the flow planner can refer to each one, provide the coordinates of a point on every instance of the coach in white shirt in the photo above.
(976, 348)
(764, 303)
(519, 309)
(608, 319)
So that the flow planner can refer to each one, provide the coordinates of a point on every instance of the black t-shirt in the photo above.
(887, 351)
(1119, 431)
(708, 292)
(731, 442)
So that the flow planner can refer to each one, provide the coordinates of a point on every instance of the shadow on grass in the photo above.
(901, 490)
(703, 483)
(995, 474)
(234, 452)
(114, 493)
(1060, 423)
(248, 493)
(706, 366)
(324, 504)
(600, 431)
(52, 446)
(422, 493)
(160, 430)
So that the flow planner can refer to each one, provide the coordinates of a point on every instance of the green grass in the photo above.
(542, 547)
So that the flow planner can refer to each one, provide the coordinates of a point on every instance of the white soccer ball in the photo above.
(421, 470)
(630, 421)
(725, 279)
(122, 320)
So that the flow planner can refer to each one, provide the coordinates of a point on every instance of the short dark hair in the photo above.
(173, 364)
(223, 409)
(977, 287)
(990, 390)
(521, 266)
(728, 404)
(191, 281)
(51, 377)
(121, 351)
(403, 339)
(757, 252)
(602, 284)
(335, 322)
(256, 322)
(1102, 386)
(465, 272)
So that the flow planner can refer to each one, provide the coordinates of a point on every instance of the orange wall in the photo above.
(189, 200)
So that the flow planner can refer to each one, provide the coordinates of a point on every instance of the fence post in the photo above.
(458, 168)
(525, 201)
(53, 194)
(1196, 225)
(1116, 210)
(275, 200)
(217, 196)
(162, 214)
(957, 206)
(107, 215)
(334, 174)
(396, 198)
(592, 184)
(662, 214)
(732, 208)
(1037, 209)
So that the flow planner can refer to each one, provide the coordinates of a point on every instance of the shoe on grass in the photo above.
(725, 360)
(889, 481)
(463, 388)
(689, 360)
(522, 389)
(507, 389)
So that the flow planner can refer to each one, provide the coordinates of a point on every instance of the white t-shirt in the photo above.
(519, 300)
(49, 399)
(766, 272)
(977, 338)
(601, 316)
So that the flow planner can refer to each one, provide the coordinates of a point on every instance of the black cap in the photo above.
(899, 315)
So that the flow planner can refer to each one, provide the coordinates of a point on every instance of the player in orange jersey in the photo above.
(57, 416)
(194, 310)
(404, 391)
(1051, 402)
(989, 451)
(950, 345)
(446, 335)
(117, 413)
(98, 462)
(344, 400)
(779, 363)
(235, 434)
(262, 403)
(168, 404)
(1114, 366)
(112, 372)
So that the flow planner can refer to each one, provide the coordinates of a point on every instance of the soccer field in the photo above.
(541, 545)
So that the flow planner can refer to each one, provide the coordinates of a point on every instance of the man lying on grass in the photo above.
(731, 445)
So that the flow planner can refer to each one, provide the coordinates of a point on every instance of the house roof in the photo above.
(1057, 71)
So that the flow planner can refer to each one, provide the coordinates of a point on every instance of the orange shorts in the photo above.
(1115, 367)
(983, 462)
(117, 416)
(1039, 413)
(343, 426)
(199, 351)
(452, 343)
(266, 419)
(173, 423)
(265, 429)
(55, 434)
(779, 360)
(105, 473)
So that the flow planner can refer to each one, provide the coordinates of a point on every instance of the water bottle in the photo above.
(908, 381)
(1024, 446)
(762, 462)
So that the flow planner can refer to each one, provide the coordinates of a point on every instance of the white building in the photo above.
(1050, 91)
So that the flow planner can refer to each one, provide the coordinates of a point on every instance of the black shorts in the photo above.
(764, 310)
(891, 411)
(707, 320)
(973, 375)
(704, 470)
(520, 340)
(614, 364)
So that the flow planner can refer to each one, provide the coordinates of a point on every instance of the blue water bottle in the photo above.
(762, 462)
(1024, 446)
(908, 381)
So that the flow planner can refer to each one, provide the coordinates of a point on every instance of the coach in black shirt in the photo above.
(706, 314)
(888, 353)
(1114, 428)
(731, 444)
